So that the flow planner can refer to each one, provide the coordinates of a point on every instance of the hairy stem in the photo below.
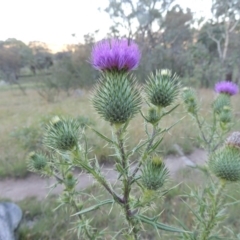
(215, 208)
(144, 155)
(133, 230)
(74, 205)
(200, 127)
(84, 163)
(81, 218)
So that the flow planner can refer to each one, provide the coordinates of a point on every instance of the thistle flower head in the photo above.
(115, 55)
(162, 89)
(225, 162)
(116, 97)
(226, 87)
(37, 161)
(62, 134)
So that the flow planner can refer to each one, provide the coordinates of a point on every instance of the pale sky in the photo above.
(54, 21)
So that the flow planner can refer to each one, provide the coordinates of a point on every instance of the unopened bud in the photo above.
(225, 162)
(38, 161)
(162, 89)
(70, 181)
(153, 116)
(154, 174)
(190, 100)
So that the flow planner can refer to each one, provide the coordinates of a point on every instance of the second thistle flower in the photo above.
(162, 89)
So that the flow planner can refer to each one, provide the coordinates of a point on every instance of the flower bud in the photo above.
(37, 161)
(116, 97)
(162, 89)
(225, 162)
(190, 100)
(222, 100)
(154, 174)
(70, 181)
(153, 116)
(62, 134)
(225, 115)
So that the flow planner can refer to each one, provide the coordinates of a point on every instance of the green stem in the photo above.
(211, 148)
(84, 163)
(74, 205)
(144, 155)
(215, 208)
(199, 124)
(126, 184)
(81, 217)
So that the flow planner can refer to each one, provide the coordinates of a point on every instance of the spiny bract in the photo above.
(162, 89)
(117, 98)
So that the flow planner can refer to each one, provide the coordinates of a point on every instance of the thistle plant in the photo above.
(222, 166)
(117, 98)
(212, 133)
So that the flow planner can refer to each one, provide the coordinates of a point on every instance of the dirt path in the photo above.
(35, 186)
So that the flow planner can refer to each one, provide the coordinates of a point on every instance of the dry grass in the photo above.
(18, 111)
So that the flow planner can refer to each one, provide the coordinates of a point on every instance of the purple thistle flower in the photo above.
(226, 87)
(115, 54)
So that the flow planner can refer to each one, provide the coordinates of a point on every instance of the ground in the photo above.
(35, 186)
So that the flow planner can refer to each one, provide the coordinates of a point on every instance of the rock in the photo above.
(10, 218)
(2, 83)
(79, 93)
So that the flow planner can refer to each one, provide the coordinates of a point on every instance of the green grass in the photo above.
(22, 118)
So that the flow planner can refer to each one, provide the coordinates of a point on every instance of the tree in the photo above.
(139, 17)
(225, 20)
(14, 55)
(42, 58)
(160, 28)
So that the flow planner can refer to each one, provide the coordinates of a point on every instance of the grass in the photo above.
(22, 118)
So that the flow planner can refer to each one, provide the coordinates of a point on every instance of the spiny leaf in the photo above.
(158, 225)
(92, 208)
(103, 136)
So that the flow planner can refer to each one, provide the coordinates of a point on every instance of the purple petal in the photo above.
(115, 54)
(226, 87)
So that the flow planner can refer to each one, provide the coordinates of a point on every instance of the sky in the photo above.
(54, 21)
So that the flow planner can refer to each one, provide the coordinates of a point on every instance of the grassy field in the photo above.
(22, 118)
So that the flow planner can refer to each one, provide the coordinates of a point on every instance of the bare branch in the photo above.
(218, 44)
